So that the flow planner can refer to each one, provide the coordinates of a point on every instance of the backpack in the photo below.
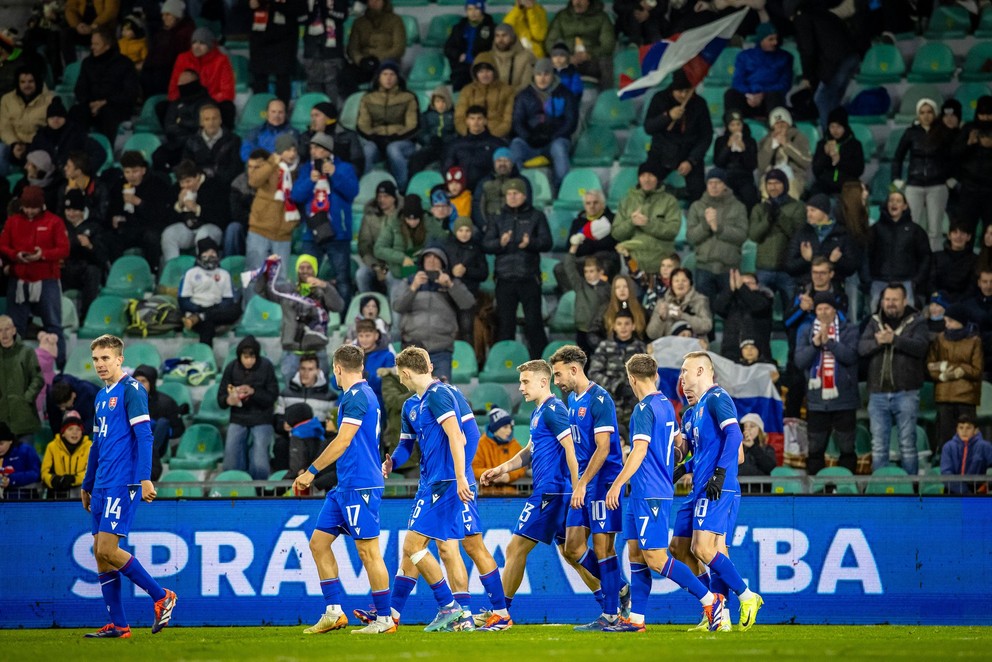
(153, 316)
(871, 101)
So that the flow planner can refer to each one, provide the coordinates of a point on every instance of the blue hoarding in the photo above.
(814, 559)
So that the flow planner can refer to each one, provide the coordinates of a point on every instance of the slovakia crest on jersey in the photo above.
(582, 412)
(112, 403)
(413, 414)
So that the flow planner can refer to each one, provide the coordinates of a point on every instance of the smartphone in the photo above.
(432, 275)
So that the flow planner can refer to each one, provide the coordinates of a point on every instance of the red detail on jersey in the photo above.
(112, 403)
(582, 412)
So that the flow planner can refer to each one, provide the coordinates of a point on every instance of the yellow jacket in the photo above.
(19, 121)
(531, 26)
(135, 50)
(106, 12)
(492, 454)
(58, 461)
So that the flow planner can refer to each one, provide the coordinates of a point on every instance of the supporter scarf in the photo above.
(824, 371)
(291, 213)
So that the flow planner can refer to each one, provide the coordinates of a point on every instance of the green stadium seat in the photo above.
(864, 136)
(198, 352)
(130, 277)
(221, 489)
(787, 480)
(574, 187)
(422, 183)
(760, 129)
(262, 318)
(366, 188)
(439, 29)
(148, 121)
(412, 29)
(464, 366)
(142, 353)
(253, 114)
(626, 62)
(780, 352)
(107, 148)
(635, 152)
(165, 491)
(891, 143)
(984, 413)
(354, 308)
(486, 397)
(928, 408)
(200, 449)
(234, 265)
(172, 272)
(624, 180)
(79, 364)
(611, 112)
(560, 221)
(722, 71)
(242, 76)
(501, 364)
(713, 96)
(949, 23)
(349, 112)
(300, 119)
(563, 319)
(209, 411)
(749, 255)
(548, 281)
(878, 484)
(146, 143)
(596, 148)
(932, 488)
(105, 315)
(430, 69)
(969, 93)
(70, 75)
(540, 187)
(933, 62)
(811, 131)
(70, 317)
(553, 347)
(523, 414)
(882, 64)
(181, 394)
(907, 105)
(820, 483)
(984, 30)
(974, 68)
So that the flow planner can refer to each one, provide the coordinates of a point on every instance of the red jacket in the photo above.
(215, 71)
(21, 234)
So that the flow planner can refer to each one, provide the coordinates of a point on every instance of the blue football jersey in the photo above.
(436, 406)
(471, 431)
(594, 411)
(408, 434)
(718, 438)
(690, 441)
(360, 467)
(653, 421)
(122, 436)
(548, 426)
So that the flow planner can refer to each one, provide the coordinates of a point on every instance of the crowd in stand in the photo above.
(862, 292)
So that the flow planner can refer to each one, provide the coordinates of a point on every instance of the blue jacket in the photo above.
(344, 188)
(26, 465)
(308, 429)
(555, 118)
(571, 79)
(83, 404)
(965, 459)
(757, 71)
(381, 357)
(264, 137)
(845, 353)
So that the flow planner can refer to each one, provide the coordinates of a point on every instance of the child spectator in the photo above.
(496, 447)
(567, 74)
(368, 309)
(737, 152)
(66, 456)
(378, 354)
(306, 442)
(437, 129)
(20, 467)
(441, 208)
(955, 363)
(206, 294)
(759, 457)
(592, 294)
(966, 454)
(133, 44)
(750, 354)
(458, 193)
(654, 287)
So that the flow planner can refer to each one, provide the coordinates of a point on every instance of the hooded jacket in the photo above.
(60, 143)
(109, 77)
(740, 166)
(593, 27)
(899, 250)
(161, 405)
(684, 139)
(898, 366)
(851, 164)
(496, 98)
(435, 127)
(388, 115)
(512, 262)
(20, 118)
(61, 459)
(965, 458)
(651, 242)
(20, 383)
(772, 224)
(694, 310)
(258, 408)
(392, 246)
(530, 24)
(298, 311)
(515, 65)
(953, 272)
(25, 467)
(717, 252)
(927, 152)
(215, 72)
(794, 152)
(541, 116)
(320, 396)
(268, 215)
(377, 34)
(845, 367)
(430, 314)
(182, 116)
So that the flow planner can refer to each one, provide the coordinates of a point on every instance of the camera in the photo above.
(432, 276)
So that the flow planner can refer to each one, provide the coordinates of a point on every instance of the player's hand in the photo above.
(85, 496)
(715, 486)
(387, 466)
(579, 495)
(464, 491)
(490, 475)
(303, 481)
(148, 492)
(687, 481)
(613, 497)
(678, 473)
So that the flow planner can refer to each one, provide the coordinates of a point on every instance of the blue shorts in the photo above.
(646, 521)
(594, 515)
(352, 513)
(701, 514)
(543, 518)
(682, 521)
(112, 508)
(470, 522)
(437, 512)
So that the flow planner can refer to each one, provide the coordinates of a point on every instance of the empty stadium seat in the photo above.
(105, 315)
(486, 397)
(540, 187)
(146, 143)
(787, 480)
(253, 114)
(430, 69)
(422, 183)
(148, 121)
(974, 68)
(130, 277)
(80, 364)
(209, 411)
(821, 481)
(464, 366)
(501, 364)
(878, 484)
(968, 94)
(948, 23)
(553, 347)
(635, 152)
(611, 112)
(439, 29)
(164, 490)
(262, 318)
(220, 487)
(172, 272)
(349, 112)
(142, 353)
(563, 319)
(722, 71)
(574, 187)
(882, 64)
(933, 62)
(200, 449)
(596, 147)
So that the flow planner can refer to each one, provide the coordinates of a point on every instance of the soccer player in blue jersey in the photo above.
(715, 490)
(351, 508)
(649, 467)
(119, 469)
(592, 416)
(551, 455)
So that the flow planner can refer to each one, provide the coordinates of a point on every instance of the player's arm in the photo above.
(630, 467)
(578, 488)
(452, 427)
(730, 438)
(136, 406)
(90, 478)
(401, 454)
(330, 455)
(518, 461)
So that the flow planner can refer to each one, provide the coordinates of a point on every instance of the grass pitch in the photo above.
(520, 644)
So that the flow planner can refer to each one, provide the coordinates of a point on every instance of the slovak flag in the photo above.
(694, 51)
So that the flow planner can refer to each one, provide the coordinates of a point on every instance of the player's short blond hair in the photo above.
(642, 366)
(700, 354)
(414, 359)
(349, 357)
(539, 366)
(108, 341)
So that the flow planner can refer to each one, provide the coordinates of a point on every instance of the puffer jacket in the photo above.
(655, 239)
(829, 177)
(430, 314)
(470, 255)
(530, 24)
(717, 252)
(297, 313)
(512, 262)
(377, 34)
(388, 115)
(106, 12)
(927, 152)
(898, 366)
(695, 311)
(110, 77)
(215, 72)
(458, 44)
(540, 116)
(899, 250)
(20, 383)
(391, 245)
(757, 71)
(496, 98)
(259, 407)
(515, 66)
(773, 222)
(960, 458)
(374, 221)
(62, 460)
(946, 354)
(593, 27)
(795, 153)
(845, 370)
(20, 119)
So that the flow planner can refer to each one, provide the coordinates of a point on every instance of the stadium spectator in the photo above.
(468, 263)
(377, 36)
(647, 221)
(936, 307)
(623, 297)
(496, 447)
(716, 228)
(772, 224)
(39, 171)
(215, 150)
(469, 37)
(14, 57)
(182, 120)
(953, 269)
(166, 414)
(459, 195)
(681, 303)
(980, 310)
(84, 268)
(66, 457)
(488, 199)
(514, 62)
(200, 210)
(68, 392)
(654, 286)
(264, 135)
(898, 251)
(839, 157)
(34, 242)
(107, 87)
(368, 309)
(678, 122)
(395, 394)
(404, 237)
(323, 48)
(133, 42)
(821, 235)
(437, 129)
(307, 440)
(378, 212)
(309, 386)
(759, 457)
(269, 229)
(20, 382)
(786, 148)
(213, 68)
(592, 294)
(272, 44)
(826, 355)
(591, 233)
(819, 278)
(736, 152)
(164, 46)
(489, 92)
(378, 354)
(746, 309)
(249, 389)
(972, 154)
(139, 210)
(529, 20)
(955, 361)
(347, 143)
(430, 305)
(643, 22)
(22, 112)
(474, 150)
(894, 343)
(82, 20)
(926, 143)
(387, 122)
(442, 209)
(607, 366)
(586, 26)
(80, 173)
(206, 293)
(762, 76)
(517, 237)
(966, 454)
(20, 466)
(60, 136)
(828, 53)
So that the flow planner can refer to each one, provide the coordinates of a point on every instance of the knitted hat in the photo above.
(838, 116)
(506, 28)
(462, 222)
(747, 341)
(777, 175)
(753, 418)
(412, 207)
(5, 433)
(203, 35)
(502, 153)
(779, 114)
(820, 201)
(75, 199)
(940, 298)
(959, 313)
(717, 173)
(560, 48)
(679, 328)
(71, 418)
(175, 7)
(763, 31)
(649, 167)
(298, 413)
(56, 108)
(732, 115)
(206, 244)
(951, 107)
(544, 66)
(982, 107)
(32, 197)
(285, 141)
(481, 4)
(329, 110)
(497, 419)
(926, 102)
(306, 259)
(386, 186)
(825, 297)
(40, 159)
(680, 81)
(439, 195)
(515, 184)
(321, 139)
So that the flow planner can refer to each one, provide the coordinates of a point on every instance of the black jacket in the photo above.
(824, 43)
(474, 153)
(686, 139)
(758, 461)
(153, 212)
(273, 50)
(97, 201)
(182, 116)
(953, 272)
(457, 44)
(212, 197)
(469, 254)
(222, 161)
(972, 163)
(746, 313)
(109, 77)
(347, 147)
(70, 138)
(512, 262)
(258, 408)
(837, 237)
(592, 246)
(98, 255)
(927, 151)
(829, 177)
(740, 166)
(899, 251)
(899, 366)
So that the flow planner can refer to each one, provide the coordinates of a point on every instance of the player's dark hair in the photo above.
(349, 357)
(539, 366)
(642, 366)
(414, 359)
(569, 354)
(61, 392)
(107, 341)
(309, 358)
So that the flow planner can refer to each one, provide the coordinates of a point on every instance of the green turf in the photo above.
(522, 643)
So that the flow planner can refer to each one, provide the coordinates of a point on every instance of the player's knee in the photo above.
(368, 553)
(602, 549)
(702, 551)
